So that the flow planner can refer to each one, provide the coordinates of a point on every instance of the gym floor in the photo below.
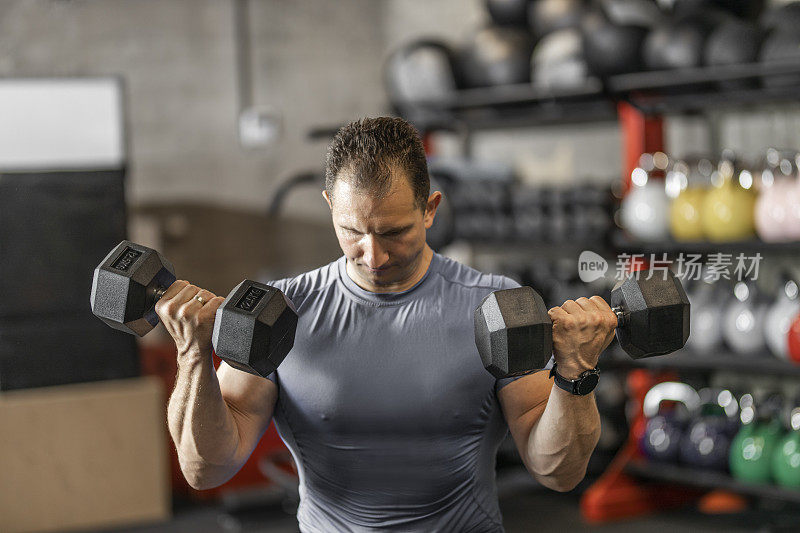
(546, 510)
(525, 506)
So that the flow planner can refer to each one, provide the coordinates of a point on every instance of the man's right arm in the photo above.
(216, 419)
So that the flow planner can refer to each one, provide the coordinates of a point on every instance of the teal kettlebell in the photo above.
(786, 457)
(754, 445)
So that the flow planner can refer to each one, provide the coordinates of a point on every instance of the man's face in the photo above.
(382, 238)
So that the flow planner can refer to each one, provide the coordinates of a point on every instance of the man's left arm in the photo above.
(554, 430)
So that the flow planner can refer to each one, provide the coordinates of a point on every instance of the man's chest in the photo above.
(409, 375)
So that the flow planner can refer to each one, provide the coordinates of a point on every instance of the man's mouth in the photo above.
(376, 270)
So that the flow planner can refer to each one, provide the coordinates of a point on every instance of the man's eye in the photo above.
(393, 233)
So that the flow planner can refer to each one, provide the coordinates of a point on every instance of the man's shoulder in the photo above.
(301, 285)
(461, 275)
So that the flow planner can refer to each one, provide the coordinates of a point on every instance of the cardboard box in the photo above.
(83, 456)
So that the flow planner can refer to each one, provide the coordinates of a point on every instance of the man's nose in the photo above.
(374, 254)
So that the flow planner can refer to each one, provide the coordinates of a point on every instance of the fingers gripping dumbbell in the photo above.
(253, 329)
(514, 333)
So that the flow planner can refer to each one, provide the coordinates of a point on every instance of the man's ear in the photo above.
(327, 199)
(430, 208)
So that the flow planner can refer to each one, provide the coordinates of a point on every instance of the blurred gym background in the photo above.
(659, 129)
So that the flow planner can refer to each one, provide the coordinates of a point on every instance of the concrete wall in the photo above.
(318, 62)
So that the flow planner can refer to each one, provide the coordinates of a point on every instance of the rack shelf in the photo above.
(680, 91)
(623, 243)
(723, 360)
(708, 480)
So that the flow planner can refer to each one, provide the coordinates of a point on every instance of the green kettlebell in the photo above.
(786, 457)
(753, 447)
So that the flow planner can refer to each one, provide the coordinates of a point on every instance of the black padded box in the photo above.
(55, 227)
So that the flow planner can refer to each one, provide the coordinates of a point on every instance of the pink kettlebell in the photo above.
(777, 209)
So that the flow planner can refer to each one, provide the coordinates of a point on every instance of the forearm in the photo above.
(201, 425)
(561, 442)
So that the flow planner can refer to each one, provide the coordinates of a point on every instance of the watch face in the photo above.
(587, 384)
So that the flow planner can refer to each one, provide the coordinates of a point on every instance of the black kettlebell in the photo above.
(528, 217)
(547, 16)
(731, 43)
(680, 43)
(508, 12)
(665, 428)
(785, 16)
(783, 45)
(610, 48)
(707, 440)
(496, 55)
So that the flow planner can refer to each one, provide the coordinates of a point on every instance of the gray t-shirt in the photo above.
(385, 405)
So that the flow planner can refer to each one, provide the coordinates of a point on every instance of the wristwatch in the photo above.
(582, 386)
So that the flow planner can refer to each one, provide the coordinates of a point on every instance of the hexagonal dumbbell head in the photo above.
(513, 332)
(254, 328)
(655, 314)
(126, 286)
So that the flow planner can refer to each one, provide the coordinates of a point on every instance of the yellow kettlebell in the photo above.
(686, 183)
(727, 209)
(685, 221)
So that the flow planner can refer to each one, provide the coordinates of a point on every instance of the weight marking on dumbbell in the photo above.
(126, 259)
(250, 300)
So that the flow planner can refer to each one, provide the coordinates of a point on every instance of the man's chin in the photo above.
(380, 278)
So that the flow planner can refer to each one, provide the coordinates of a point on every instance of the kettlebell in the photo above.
(779, 317)
(708, 301)
(664, 429)
(687, 183)
(743, 320)
(793, 340)
(495, 55)
(706, 442)
(727, 212)
(792, 230)
(752, 449)
(786, 457)
(777, 199)
(645, 209)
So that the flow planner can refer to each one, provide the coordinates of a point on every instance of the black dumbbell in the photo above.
(253, 329)
(514, 334)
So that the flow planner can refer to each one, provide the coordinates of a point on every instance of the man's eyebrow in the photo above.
(387, 230)
(397, 229)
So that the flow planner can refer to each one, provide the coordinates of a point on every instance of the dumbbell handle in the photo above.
(160, 292)
(621, 316)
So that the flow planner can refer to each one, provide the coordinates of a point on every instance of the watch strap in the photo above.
(583, 385)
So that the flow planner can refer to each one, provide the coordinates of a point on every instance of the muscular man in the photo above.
(391, 418)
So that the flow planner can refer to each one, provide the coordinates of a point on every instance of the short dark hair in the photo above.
(369, 149)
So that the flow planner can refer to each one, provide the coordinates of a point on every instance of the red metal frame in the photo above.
(617, 496)
(640, 134)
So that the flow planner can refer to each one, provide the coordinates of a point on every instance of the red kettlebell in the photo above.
(794, 340)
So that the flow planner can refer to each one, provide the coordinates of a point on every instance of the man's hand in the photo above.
(188, 320)
(582, 329)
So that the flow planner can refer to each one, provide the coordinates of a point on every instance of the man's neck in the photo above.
(419, 272)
